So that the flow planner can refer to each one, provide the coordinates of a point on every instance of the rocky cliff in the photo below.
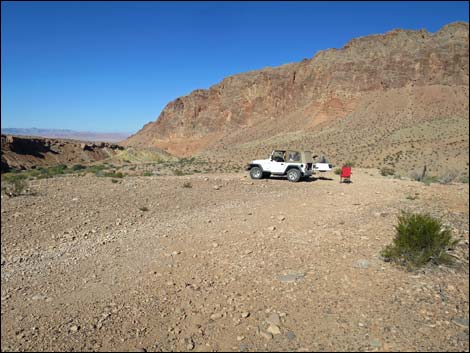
(21, 152)
(362, 95)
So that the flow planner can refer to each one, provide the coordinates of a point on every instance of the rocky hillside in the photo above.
(397, 99)
(26, 152)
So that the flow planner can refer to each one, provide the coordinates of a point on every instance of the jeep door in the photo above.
(277, 165)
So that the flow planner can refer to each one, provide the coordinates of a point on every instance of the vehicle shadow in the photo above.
(306, 180)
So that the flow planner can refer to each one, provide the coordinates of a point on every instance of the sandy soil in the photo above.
(220, 262)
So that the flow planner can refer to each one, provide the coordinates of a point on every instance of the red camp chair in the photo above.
(345, 175)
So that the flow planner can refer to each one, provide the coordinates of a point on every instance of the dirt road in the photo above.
(221, 262)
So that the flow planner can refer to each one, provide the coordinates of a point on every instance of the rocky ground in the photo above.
(214, 262)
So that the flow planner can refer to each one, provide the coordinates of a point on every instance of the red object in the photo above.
(345, 174)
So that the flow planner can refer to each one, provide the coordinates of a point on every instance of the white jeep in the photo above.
(322, 165)
(294, 164)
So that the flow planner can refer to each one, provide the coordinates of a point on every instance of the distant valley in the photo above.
(68, 134)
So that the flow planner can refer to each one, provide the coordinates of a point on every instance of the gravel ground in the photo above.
(219, 262)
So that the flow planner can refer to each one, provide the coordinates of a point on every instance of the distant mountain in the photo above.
(68, 134)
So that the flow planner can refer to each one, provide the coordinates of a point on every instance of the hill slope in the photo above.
(400, 98)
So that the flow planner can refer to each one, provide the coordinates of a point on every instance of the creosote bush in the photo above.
(337, 171)
(113, 174)
(178, 172)
(385, 171)
(420, 239)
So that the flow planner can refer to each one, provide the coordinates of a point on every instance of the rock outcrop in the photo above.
(307, 97)
(22, 152)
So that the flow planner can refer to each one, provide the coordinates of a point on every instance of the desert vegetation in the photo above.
(420, 239)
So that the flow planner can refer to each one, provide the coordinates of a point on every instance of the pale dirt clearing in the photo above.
(226, 264)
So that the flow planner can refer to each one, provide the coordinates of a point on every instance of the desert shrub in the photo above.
(19, 186)
(415, 175)
(78, 167)
(187, 185)
(420, 239)
(178, 172)
(464, 179)
(349, 164)
(385, 171)
(147, 174)
(57, 169)
(113, 174)
(337, 171)
(428, 179)
(448, 177)
(12, 177)
(96, 168)
(15, 183)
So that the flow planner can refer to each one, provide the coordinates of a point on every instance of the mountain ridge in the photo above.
(312, 94)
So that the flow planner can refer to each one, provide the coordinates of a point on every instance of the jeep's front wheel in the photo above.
(256, 173)
(294, 175)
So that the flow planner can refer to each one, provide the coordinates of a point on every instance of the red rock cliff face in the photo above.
(308, 94)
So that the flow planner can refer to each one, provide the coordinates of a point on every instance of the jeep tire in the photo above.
(294, 175)
(256, 173)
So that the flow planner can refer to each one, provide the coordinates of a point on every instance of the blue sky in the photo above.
(113, 66)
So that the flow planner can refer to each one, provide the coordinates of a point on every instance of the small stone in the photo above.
(272, 228)
(190, 345)
(273, 319)
(38, 297)
(244, 347)
(216, 316)
(216, 187)
(74, 328)
(375, 343)
(291, 277)
(290, 335)
(266, 335)
(281, 218)
(362, 264)
(461, 321)
(274, 330)
(240, 338)
(245, 314)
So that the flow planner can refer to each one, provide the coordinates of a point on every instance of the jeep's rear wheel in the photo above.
(256, 173)
(294, 175)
